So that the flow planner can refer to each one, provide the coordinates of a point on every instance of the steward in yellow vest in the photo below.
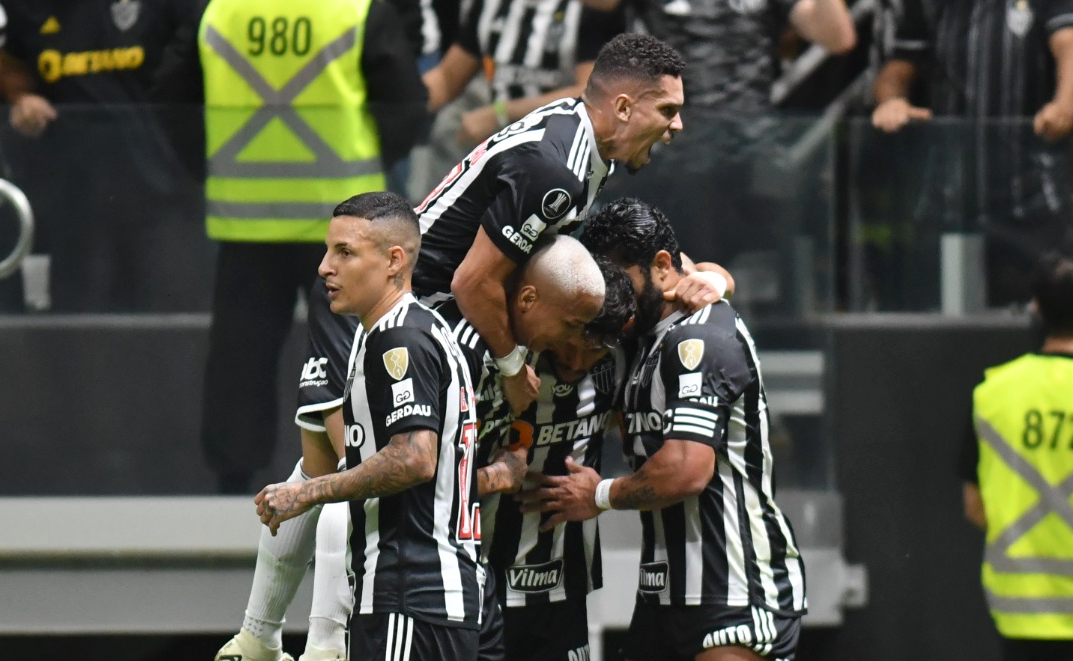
(289, 134)
(1023, 418)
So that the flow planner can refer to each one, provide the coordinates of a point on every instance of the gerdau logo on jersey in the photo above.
(535, 578)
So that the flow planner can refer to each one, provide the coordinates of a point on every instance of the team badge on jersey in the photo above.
(125, 13)
(555, 204)
(396, 361)
(603, 375)
(1019, 17)
(690, 352)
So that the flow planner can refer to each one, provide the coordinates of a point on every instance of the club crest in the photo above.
(690, 352)
(1019, 17)
(396, 361)
(125, 13)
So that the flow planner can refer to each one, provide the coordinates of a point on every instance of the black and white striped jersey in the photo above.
(534, 177)
(415, 552)
(986, 59)
(535, 46)
(324, 374)
(697, 379)
(567, 419)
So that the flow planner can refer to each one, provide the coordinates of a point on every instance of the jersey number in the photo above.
(279, 36)
(1044, 429)
(469, 514)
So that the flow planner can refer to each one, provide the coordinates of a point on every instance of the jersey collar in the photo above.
(600, 169)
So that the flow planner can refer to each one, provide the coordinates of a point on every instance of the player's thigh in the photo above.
(402, 638)
(557, 631)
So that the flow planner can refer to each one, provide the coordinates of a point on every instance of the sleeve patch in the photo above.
(402, 392)
(689, 385)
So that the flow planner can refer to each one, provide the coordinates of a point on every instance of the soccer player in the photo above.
(721, 576)
(536, 177)
(410, 432)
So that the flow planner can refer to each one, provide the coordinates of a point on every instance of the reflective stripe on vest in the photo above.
(1052, 500)
(290, 198)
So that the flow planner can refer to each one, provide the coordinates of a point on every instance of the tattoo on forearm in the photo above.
(399, 466)
(641, 498)
(503, 475)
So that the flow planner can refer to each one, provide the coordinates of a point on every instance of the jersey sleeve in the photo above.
(1056, 15)
(322, 383)
(912, 34)
(404, 370)
(535, 192)
(468, 38)
(703, 371)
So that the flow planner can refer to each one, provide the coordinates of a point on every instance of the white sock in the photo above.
(282, 562)
(333, 593)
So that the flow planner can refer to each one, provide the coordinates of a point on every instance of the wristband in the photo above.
(500, 109)
(603, 494)
(717, 280)
(513, 362)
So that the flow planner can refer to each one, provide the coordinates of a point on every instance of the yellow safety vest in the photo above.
(1023, 413)
(288, 132)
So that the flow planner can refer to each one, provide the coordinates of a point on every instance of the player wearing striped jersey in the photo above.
(535, 177)
(543, 578)
(410, 433)
(721, 576)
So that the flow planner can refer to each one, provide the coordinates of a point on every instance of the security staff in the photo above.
(1020, 489)
(305, 105)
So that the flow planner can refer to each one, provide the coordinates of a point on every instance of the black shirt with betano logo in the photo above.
(94, 51)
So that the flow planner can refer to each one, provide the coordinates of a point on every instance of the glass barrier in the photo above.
(948, 216)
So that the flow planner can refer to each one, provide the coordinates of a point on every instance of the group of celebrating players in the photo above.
(468, 358)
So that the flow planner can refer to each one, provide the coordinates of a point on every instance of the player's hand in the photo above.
(893, 114)
(477, 125)
(695, 290)
(278, 502)
(521, 389)
(571, 497)
(31, 114)
(1053, 121)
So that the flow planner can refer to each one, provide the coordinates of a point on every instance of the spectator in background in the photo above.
(304, 106)
(720, 180)
(1018, 472)
(116, 212)
(528, 54)
(985, 61)
(536, 52)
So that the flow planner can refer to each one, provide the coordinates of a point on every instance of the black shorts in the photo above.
(402, 638)
(558, 631)
(671, 633)
(492, 643)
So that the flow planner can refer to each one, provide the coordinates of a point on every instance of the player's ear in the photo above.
(527, 297)
(397, 260)
(623, 107)
(663, 261)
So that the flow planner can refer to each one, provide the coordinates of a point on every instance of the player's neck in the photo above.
(388, 301)
(1057, 344)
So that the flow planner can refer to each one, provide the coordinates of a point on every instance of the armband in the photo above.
(603, 494)
(513, 362)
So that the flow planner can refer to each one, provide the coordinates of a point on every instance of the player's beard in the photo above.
(649, 305)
